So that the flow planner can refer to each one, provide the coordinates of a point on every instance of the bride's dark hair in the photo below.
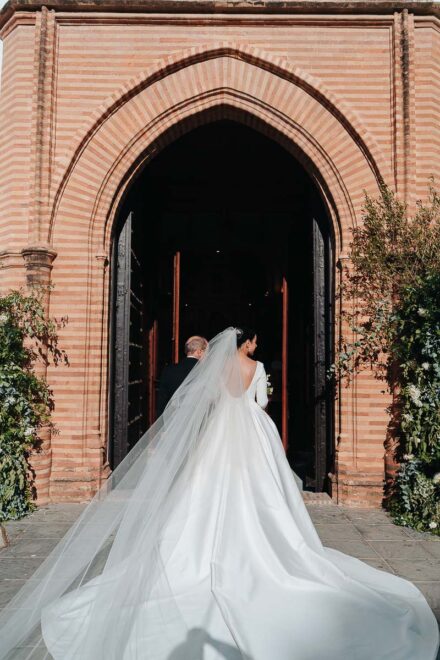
(243, 334)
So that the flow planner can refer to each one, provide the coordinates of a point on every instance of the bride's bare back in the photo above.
(248, 368)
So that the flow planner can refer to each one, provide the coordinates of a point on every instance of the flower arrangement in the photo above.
(416, 497)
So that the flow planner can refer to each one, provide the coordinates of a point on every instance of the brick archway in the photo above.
(130, 128)
(288, 104)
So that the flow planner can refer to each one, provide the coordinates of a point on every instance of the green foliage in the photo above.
(393, 291)
(25, 399)
(416, 498)
(389, 253)
(417, 350)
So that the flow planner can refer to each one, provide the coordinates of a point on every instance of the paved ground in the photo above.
(364, 533)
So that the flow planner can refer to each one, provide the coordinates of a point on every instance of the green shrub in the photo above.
(25, 398)
(393, 286)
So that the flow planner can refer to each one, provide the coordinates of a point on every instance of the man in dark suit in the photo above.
(174, 374)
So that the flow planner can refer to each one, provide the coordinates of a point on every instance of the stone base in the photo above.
(354, 489)
(70, 485)
(321, 499)
(358, 489)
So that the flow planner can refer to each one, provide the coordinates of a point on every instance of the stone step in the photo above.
(321, 499)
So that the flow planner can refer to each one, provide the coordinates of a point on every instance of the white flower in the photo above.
(436, 478)
(413, 391)
(425, 365)
(422, 312)
(3, 318)
(10, 400)
(269, 385)
(29, 431)
(414, 394)
(408, 457)
(432, 525)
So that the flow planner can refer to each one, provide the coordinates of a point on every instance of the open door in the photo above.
(285, 374)
(163, 320)
(321, 328)
(129, 374)
(152, 370)
(194, 255)
(176, 307)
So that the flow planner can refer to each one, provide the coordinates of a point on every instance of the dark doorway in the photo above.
(224, 227)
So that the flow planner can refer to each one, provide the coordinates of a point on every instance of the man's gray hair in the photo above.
(195, 343)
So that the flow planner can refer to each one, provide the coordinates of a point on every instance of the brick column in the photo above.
(359, 473)
(38, 264)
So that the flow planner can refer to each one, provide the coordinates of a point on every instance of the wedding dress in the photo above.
(201, 548)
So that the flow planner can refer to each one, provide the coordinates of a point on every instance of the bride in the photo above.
(199, 547)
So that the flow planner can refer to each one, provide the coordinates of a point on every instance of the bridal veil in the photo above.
(199, 546)
(123, 522)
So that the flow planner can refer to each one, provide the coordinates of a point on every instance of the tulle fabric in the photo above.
(200, 547)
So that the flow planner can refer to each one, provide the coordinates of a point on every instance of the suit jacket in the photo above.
(172, 377)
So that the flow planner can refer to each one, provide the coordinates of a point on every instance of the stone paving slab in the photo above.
(357, 549)
(412, 555)
(400, 549)
(367, 534)
(433, 547)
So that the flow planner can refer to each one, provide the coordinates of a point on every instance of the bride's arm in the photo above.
(262, 399)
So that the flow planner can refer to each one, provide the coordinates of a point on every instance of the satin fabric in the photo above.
(246, 575)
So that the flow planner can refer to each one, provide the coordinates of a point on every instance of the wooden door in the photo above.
(320, 421)
(285, 363)
(129, 381)
(176, 306)
(152, 370)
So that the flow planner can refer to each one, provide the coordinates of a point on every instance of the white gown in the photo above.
(249, 576)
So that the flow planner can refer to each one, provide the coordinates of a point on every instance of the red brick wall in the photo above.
(426, 104)
(355, 98)
(15, 147)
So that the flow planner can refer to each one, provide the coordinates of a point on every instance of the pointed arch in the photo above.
(256, 87)
(131, 127)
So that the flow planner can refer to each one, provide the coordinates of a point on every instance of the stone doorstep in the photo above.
(321, 499)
